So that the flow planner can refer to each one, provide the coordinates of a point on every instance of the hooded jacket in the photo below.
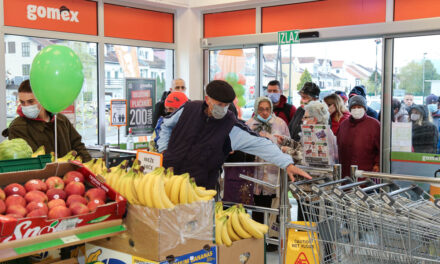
(360, 90)
(424, 135)
(38, 133)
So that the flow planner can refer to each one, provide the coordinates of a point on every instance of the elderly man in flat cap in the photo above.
(198, 137)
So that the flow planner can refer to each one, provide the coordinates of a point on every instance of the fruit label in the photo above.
(15, 189)
(67, 224)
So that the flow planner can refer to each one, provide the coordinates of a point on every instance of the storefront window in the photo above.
(133, 62)
(238, 67)
(416, 109)
(18, 63)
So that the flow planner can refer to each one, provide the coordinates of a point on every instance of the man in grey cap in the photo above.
(199, 136)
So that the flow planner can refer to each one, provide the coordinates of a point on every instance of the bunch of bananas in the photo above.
(72, 155)
(157, 189)
(234, 224)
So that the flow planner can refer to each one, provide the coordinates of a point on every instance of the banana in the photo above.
(93, 257)
(163, 196)
(184, 189)
(203, 193)
(237, 226)
(250, 227)
(78, 158)
(192, 196)
(263, 228)
(148, 190)
(69, 156)
(38, 152)
(225, 237)
(169, 185)
(90, 164)
(157, 201)
(231, 231)
(199, 198)
(218, 232)
(175, 190)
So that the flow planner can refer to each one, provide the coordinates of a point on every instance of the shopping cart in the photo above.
(369, 222)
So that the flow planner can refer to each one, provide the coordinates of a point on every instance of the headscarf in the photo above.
(262, 126)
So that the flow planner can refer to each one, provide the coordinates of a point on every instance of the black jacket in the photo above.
(295, 124)
(159, 108)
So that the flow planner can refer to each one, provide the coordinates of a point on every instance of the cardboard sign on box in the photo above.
(16, 229)
(101, 254)
(156, 234)
(249, 251)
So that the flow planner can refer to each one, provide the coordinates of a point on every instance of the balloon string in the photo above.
(56, 140)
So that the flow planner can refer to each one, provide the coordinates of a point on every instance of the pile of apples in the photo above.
(54, 197)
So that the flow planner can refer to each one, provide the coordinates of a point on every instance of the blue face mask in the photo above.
(274, 97)
(432, 108)
(264, 120)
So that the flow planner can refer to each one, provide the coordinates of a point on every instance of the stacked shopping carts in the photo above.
(369, 222)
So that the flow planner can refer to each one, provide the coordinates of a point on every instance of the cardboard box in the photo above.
(156, 234)
(249, 251)
(96, 253)
(16, 229)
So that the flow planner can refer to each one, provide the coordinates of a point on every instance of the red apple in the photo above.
(55, 203)
(78, 208)
(59, 212)
(36, 205)
(75, 188)
(15, 188)
(15, 200)
(76, 198)
(2, 195)
(37, 212)
(17, 210)
(95, 193)
(54, 182)
(56, 194)
(2, 207)
(73, 176)
(35, 196)
(35, 185)
(94, 203)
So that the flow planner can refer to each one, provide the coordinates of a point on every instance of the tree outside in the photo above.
(411, 77)
(305, 77)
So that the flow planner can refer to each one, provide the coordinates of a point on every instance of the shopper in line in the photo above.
(343, 96)
(36, 125)
(281, 108)
(399, 113)
(338, 111)
(266, 124)
(408, 100)
(198, 137)
(360, 90)
(424, 133)
(178, 85)
(432, 103)
(309, 92)
(358, 139)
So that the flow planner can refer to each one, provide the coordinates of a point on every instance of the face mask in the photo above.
(274, 97)
(264, 120)
(219, 112)
(31, 111)
(357, 113)
(432, 108)
(415, 117)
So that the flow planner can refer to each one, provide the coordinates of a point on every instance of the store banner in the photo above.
(128, 59)
(141, 94)
(73, 16)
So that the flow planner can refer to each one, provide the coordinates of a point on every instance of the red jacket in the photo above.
(336, 124)
(359, 144)
(284, 110)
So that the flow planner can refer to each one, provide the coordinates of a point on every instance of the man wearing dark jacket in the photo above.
(360, 90)
(159, 108)
(309, 92)
(36, 126)
(281, 108)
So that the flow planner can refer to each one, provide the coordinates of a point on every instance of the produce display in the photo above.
(157, 189)
(235, 224)
(54, 197)
(15, 149)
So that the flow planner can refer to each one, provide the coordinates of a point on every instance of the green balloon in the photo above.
(56, 77)
(238, 89)
(241, 101)
(231, 78)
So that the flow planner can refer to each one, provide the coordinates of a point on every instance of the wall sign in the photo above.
(118, 112)
(141, 94)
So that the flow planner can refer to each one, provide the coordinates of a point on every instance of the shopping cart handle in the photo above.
(347, 179)
(352, 185)
(413, 187)
(378, 186)
(311, 181)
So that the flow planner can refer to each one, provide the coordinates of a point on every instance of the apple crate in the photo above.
(12, 229)
(37, 163)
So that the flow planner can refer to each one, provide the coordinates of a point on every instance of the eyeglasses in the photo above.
(179, 87)
(264, 109)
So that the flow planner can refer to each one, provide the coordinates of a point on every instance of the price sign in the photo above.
(149, 160)
(141, 94)
(118, 112)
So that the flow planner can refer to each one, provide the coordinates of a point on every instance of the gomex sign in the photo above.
(74, 16)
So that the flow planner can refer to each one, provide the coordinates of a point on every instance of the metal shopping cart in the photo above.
(369, 222)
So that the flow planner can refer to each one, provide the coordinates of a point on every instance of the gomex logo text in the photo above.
(34, 12)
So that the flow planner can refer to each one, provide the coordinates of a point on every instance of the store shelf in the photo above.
(30, 246)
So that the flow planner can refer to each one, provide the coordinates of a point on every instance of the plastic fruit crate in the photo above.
(37, 163)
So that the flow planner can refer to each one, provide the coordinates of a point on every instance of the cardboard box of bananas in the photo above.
(235, 224)
(157, 189)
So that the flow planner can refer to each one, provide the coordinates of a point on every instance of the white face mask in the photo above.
(31, 111)
(415, 117)
(357, 113)
(219, 112)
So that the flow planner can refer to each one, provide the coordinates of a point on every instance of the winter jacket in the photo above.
(336, 124)
(424, 135)
(295, 124)
(402, 115)
(38, 133)
(359, 143)
(284, 110)
(159, 108)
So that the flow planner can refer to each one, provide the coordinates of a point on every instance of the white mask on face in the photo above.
(357, 113)
(415, 117)
(218, 112)
(31, 111)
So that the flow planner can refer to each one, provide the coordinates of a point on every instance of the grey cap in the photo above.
(357, 100)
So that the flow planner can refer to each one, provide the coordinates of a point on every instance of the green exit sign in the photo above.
(288, 37)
